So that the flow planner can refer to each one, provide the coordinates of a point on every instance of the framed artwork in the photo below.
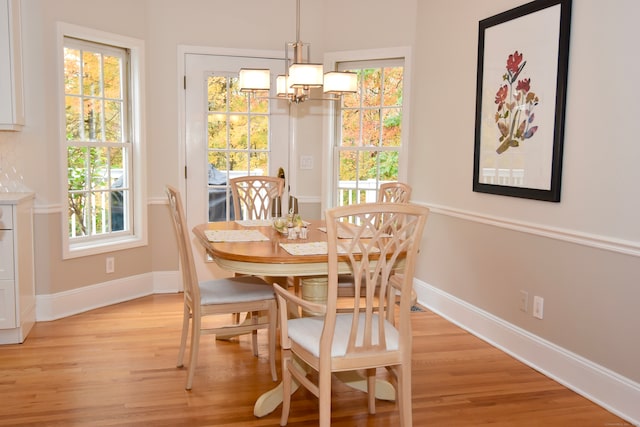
(523, 58)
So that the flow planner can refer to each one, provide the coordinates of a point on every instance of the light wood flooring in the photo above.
(115, 366)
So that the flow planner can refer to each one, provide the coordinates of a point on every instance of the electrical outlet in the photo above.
(110, 264)
(306, 162)
(538, 307)
(524, 301)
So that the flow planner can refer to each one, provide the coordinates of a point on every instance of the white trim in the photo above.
(309, 199)
(158, 201)
(626, 247)
(208, 50)
(329, 135)
(612, 391)
(63, 304)
(47, 209)
(57, 208)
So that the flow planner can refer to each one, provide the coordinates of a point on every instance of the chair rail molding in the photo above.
(586, 239)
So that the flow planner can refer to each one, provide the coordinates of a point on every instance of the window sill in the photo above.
(103, 246)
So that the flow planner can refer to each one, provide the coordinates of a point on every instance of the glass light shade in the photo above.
(340, 82)
(281, 86)
(305, 75)
(252, 79)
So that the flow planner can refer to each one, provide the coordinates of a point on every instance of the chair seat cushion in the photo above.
(235, 289)
(306, 331)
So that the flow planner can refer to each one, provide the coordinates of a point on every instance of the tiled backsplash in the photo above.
(11, 180)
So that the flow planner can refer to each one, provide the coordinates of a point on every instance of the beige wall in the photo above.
(54, 275)
(471, 250)
(485, 248)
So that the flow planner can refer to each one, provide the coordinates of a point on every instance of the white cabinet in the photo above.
(17, 286)
(11, 96)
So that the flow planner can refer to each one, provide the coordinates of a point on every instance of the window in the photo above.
(369, 142)
(102, 146)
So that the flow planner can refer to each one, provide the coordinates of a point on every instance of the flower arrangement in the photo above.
(515, 102)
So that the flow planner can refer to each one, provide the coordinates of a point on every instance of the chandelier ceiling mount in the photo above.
(300, 75)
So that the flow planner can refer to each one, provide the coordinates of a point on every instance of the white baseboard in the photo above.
(63, 304)
(602, 386)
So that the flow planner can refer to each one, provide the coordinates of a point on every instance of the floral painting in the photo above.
(516, 101)
(523, 62)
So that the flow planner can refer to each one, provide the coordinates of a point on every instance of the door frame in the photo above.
(204, 271)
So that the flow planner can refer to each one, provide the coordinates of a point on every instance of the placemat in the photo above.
(254, 222)
(235, 236)
(308, 248)
(314, 248)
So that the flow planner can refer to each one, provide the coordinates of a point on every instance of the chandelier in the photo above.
(300, 76)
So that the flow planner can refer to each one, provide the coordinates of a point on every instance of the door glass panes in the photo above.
(98, 147)
(237, 140)
(370, 141)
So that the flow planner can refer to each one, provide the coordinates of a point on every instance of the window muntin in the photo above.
(98, 142)
(238, 140)
(370, 140)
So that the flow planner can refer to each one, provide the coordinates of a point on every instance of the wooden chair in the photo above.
(253, 195)
(367, 337)
(221, 296)
(389, 192)
(394, 192)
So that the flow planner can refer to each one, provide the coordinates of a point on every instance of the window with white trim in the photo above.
(102, 143)
(369, 140)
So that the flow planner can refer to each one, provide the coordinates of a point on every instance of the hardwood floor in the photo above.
(116, 366)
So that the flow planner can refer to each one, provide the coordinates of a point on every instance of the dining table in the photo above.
(255, 247)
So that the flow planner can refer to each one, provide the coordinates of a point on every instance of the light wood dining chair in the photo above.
(389, 192)
(253, 196)
(394, 192)
(220, 296)
(367, 337)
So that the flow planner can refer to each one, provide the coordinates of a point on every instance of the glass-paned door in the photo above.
(228, 134)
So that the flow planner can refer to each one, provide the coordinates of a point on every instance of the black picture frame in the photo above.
(523, 61)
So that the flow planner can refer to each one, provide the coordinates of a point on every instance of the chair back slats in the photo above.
(189, 278)
(376, 240)
(253, 196)
(394, 192)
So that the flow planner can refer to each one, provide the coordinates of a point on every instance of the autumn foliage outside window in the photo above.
(371, 130)
(98, 144)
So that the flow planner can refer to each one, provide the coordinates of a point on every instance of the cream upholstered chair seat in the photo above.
(233, 290)
(220, 296)
(307, 331)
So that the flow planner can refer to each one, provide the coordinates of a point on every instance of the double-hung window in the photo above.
(369, 146)
(102, 142)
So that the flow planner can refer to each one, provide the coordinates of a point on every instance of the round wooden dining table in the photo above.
(254, 247)
(267, 257)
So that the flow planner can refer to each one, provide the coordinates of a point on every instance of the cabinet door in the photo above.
(7, 304)
(6, 255)
(11, 103)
